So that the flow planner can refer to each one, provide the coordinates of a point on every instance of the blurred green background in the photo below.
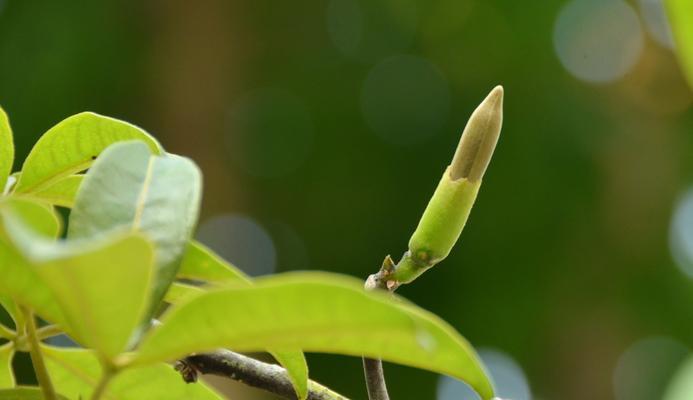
(323, 127)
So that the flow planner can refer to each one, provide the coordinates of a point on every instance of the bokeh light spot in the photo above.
(369, 30)
(509, 379)
(271, 133)
(681, 234)
(598, 40)
(643, 370)
(242, 241)
(656, 22)
(405, 100)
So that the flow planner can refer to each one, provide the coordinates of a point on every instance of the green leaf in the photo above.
(296, 367)
(101, 284)
(6, 149)
(681, 385)
(6, 373)
(10, 306)
(75, 373)
(24, 393)
(179, 292)
(72, 145)
(315, 312)
(202, 264)
(129, 188)
(61, 193)
(293, 361)
(41, 218)
(681, 20)
(20, 281)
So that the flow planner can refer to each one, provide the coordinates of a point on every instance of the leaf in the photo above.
(6, 149)
(296, 367)
(681, 20)
(20, 281)
(6, 373)
(41, 218)
(315, 312)
(101, 284)
(179, 292)
(75, 372)
(129, 188)
(61, 193)
(24, 393)
(293, 361)
(10, 306)
(202, 264)
(72, 145)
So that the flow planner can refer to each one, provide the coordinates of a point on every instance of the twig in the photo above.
(373, 368)
(42, 376)
(269, 377)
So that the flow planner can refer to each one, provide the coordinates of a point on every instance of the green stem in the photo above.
(7, 333)
(48, 331)
(37, 360)
(106, 376)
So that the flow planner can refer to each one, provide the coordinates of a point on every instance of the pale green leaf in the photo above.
(6, 373)
(681, 20)
(202, 264)
(315, 312)
(101, 284)
(61, 193)
(72, 145)
(24, 393)
(6, 149)
(129, 188)
(75, 373)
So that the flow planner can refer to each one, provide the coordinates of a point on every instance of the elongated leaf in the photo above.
(72, 145)
(6, 373)
(293, 361)
(6, 149)
(129, 188)
(76, 372)
(24, 393)
(202, 264)
(101, 284)
(61, 193)
(681, 20)
(315, 312)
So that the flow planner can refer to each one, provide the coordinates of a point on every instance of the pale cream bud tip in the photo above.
(479, 138)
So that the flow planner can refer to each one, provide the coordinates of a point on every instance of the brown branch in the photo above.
(269, 377)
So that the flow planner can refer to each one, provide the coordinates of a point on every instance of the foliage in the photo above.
(681, 17)
(128, 250)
